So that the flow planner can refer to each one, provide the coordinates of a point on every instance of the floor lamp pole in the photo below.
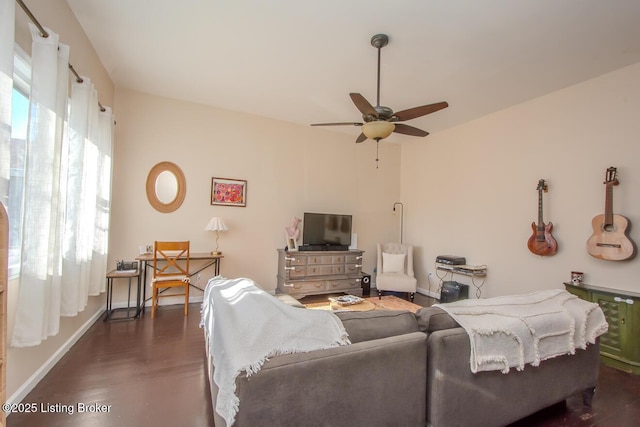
(401, 218)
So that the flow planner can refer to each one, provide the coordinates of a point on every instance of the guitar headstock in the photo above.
(610, 178)
(542, 185)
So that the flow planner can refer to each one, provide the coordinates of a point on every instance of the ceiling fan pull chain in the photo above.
(377, 146)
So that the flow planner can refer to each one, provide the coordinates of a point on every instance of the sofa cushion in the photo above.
(371, 325)
(434, 319)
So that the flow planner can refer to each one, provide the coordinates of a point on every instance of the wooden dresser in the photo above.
(620, 346)
(4, 278)
(319, 272)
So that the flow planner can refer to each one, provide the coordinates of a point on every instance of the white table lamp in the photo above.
(216, 224)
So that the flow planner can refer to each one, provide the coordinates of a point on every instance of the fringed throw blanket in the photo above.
(512, 331)
(246, 326)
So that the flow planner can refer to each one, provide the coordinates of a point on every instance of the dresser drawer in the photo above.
(296, 271)
(325, 270)
(353, 259)
(351, 286)
(312, 286)
(325, 259)
(353, 269)
(322, 270)
(295, 260)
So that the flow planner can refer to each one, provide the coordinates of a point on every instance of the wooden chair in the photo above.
(170, 270)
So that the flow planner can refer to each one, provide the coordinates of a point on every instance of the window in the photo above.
(19, 118)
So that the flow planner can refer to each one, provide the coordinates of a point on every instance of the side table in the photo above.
(619, 347)
(131, 312)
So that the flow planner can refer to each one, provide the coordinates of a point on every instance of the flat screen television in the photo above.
(326, 231)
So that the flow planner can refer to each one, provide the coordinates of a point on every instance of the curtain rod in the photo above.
(44, 34)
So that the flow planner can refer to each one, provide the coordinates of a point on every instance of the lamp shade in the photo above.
(216, 224)
(378, 130)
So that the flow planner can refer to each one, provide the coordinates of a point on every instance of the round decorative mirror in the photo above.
(166, 187)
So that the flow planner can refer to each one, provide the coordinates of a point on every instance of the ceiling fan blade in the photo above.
(409, 130)
(412, 113)
(363, 105)
(337, 124)
(361, 138)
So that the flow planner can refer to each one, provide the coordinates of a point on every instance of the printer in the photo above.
(451, 260)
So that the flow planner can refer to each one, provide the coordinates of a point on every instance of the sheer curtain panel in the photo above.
(87, 204)
(7, 30)
(104, 143)
(38, 308)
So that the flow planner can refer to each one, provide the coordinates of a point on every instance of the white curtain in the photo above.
(104, 142)
(7, 23)
(88, 172)
(67, 187)
(38, 309)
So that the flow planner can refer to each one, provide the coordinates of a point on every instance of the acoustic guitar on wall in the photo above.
(541, 241)
(609, 240)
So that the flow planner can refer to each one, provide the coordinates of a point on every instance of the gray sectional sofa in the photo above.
(402, 369)
(458, 397)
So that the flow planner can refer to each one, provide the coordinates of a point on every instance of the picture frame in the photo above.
(228, 192)
(292, 245)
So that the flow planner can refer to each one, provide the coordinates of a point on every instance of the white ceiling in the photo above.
(297, 60)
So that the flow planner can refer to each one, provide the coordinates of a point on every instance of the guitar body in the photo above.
(610, 242)
(541, 241)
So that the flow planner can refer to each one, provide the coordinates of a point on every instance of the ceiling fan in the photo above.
(380, 121)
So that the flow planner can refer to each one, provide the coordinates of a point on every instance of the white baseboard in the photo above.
(37, 376)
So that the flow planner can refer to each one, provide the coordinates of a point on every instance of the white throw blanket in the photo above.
(246, 326)
(511, 331)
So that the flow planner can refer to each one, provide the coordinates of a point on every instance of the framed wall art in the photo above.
(228, 192)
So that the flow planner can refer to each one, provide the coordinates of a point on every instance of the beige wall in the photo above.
(290, 169)
(471, 190)
(25, 363)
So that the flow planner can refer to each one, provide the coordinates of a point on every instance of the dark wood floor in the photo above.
(152, 372)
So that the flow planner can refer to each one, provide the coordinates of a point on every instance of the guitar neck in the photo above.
(609, 182)
(608, 206)
(540, 221)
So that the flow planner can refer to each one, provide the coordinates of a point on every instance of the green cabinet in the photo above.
(620, 346)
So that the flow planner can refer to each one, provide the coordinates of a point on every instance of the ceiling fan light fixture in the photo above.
(378, 130)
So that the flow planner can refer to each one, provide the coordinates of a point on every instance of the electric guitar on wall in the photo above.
(541, 241)
(609, 240)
